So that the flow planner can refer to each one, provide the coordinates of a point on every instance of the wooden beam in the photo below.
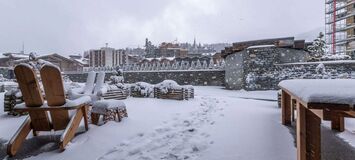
(337, 122)
(20, 135)
(85, 114)
(308, 134)
(69, 132)
(293, 108)
(286, 108)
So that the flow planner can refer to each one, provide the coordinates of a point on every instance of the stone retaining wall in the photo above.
(198, 77)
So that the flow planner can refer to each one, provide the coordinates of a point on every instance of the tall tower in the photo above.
(340, 26)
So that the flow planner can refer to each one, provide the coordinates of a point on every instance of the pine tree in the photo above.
(211, 64)
(193, 66)
(204, 65)
(198, 65)
(318, 46)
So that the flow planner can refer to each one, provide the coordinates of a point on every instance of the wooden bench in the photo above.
(310, 112)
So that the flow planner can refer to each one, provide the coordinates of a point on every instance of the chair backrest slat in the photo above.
(55, 95)
(89, 85)
(100, 81)
(32, 96)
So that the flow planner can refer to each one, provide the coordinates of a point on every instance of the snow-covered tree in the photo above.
(193, 65)
(204, 65)
(318, 46)
(211, 64)
(182, 63)
(168, 66)
(198, 64)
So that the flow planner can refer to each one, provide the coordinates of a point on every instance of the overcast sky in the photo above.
(73, 26)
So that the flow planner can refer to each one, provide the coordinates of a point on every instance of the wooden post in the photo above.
(308, 134)
(286, 108)
(337, 122)
(293, 108)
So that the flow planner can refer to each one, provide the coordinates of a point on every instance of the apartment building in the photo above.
(340, 26)
(105, 57)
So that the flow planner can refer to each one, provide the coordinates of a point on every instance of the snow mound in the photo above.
(167, 85)
(329, 57)
(101, 105)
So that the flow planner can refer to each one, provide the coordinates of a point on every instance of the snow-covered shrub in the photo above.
(3, 79)
(320, 69)
(116, 79)
(145, 89)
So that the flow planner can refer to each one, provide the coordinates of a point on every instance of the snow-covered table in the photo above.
(316, 99)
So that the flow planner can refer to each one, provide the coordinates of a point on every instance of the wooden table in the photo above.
(309, 117)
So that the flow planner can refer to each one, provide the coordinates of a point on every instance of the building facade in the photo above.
(9, 59)
(105, 57)
(340, 26)
(65, 64)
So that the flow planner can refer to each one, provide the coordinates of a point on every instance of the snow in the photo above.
(337, 91)
(319, 62)
(216, 124)
(101, 105)
(78, 101)
(261, 46)
(335, 57)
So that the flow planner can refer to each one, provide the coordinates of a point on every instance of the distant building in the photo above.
(8, 59)
(65, 64)
(105, 57)
(79, 58)
(172, 50)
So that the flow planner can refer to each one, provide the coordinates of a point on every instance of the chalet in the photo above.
(66, 64)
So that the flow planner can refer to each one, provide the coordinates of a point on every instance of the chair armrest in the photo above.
(23, 108)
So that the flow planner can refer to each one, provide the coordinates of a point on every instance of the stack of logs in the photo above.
(176, 94)
(10, 101)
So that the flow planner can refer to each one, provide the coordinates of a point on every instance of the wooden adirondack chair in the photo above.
(38, 119)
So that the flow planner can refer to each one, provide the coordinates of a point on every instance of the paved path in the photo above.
(333, 147)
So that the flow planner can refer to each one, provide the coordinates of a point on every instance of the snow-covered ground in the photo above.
(217, 124)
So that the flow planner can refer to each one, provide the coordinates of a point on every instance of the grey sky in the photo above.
(72, 26)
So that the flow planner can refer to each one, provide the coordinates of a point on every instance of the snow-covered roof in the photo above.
(336, 91)
(261, 46)
(82, 61)
(161, 58)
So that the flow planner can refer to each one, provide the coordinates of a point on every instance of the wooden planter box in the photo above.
(175, 94)
(137, 94)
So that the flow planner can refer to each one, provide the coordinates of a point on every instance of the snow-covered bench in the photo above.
(316, 99)
(169, 89)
